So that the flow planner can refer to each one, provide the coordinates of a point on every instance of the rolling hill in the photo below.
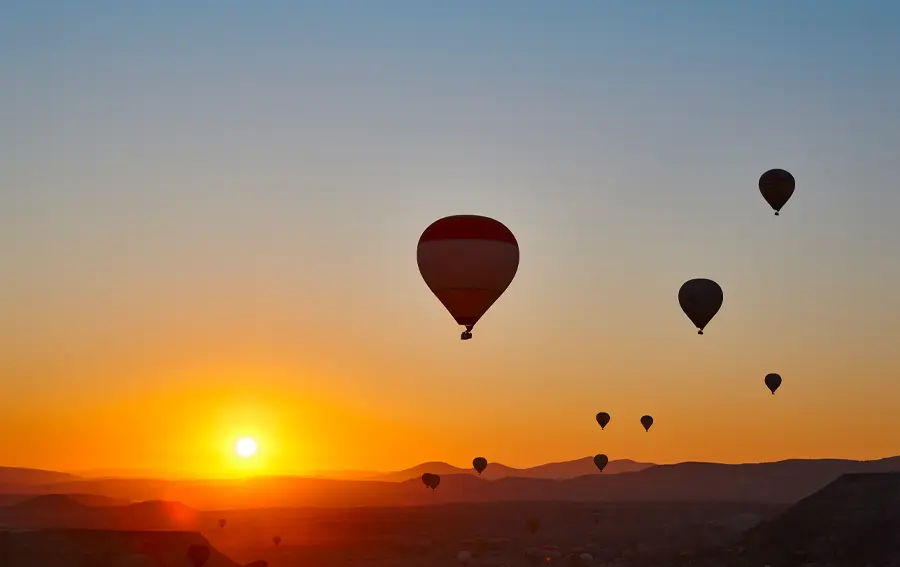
(495, 471)
(63, 511)
(779, 482)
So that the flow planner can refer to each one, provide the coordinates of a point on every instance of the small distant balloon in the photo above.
(222, 523)
(700, 299)
(464, 557)
(276, 540)
(776, 186)
(773, 381)
(600, 461)
(467, 261)
(647, 422)
(431, 480)
(479, 464)
(532, 525)
(198, 554)
(603, 419)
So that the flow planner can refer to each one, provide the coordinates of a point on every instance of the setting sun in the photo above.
(245, 447)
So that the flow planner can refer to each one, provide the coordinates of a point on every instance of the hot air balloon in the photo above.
(647, 422)
(600, 461)
(276, 540)
(532, 525)
(773, 381)
(467, 261)
(222, 523)
(776, 186)
(464, 557)
(198, 554)
(479, 464)
(431, 480)
(603, 419)
(700, 299)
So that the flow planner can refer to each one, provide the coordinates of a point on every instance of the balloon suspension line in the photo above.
(467, 334)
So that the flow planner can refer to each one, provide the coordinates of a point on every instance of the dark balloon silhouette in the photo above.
(431, 480)
(467, 261)
(198, 554)
(479, 464)
(700, 299)
(600, 461)
(222, 523)
(532, 525)
(776, 186)
(647, 422)
(603, 419)
(276, 540)
(773, 381)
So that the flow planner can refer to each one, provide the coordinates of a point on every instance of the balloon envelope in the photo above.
(776, 186)
(603, 419)
(533, 525)
(773, 381)
(479, 464)
(467, 261)
(600, 461)
(276, 540)
(647, 422)
(222, 523)
(700, 299)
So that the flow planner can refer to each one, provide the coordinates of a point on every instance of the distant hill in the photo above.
(781, 482)
(553, 471)
(64, 511)
(32, 477)
(78, 548)
(854, 521)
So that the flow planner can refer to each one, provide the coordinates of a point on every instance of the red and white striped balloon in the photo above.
(467, 261)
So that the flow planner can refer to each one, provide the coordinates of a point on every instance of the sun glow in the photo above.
(245, 447)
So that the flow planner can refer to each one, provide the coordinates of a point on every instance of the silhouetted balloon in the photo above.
(431, 480)
(464, 557)
(222, 523)
(773, 381)
(600, 461)
(776, 186)
(647, 422)
(700, 299)
(603, 419)
(198, 554)
(479, 464)
(532, 525)
(467, 261)
(276, 540)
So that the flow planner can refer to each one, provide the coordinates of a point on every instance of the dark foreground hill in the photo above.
(853, 522)
(90, 548)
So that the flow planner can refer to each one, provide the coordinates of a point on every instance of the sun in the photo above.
(245, 447)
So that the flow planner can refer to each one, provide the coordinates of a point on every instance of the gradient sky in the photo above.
(209, 215)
